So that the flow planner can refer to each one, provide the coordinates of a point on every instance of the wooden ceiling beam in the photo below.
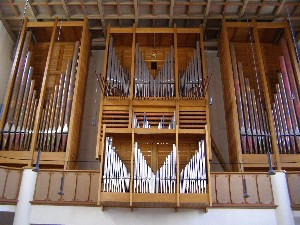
(295, 10)
(32, 10)
(207, 8)
(7, 27)
(101, 14)
(243, 8)
(136, 12)
(66, 9)
(82, 7)
(260, 8)
(14, 8)
(171, 12)
(48, 7)
(189, 8)
(279, 8)
(118, 12)
(225, 7)
(150, 16)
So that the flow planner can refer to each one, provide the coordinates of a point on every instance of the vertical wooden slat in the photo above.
(82, 187)
(154, 157)
(101, 166)
(266, 93)
(69, 187)
(177, 166)
(3, 175)
(176, 62)
(222, 187)
(48, 191)
(132, 74)
(213, 189)
(208, 146)
(132, 69)
(54, 186)
(42, 94)
(12, 75)
(294, 184)
(251, 189)
(264, 189)
(236, 189)
(12, 184)
(94, 187)
(131, 167)
(42, 186)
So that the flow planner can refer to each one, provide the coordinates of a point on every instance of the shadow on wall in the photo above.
(7, 218)
(216, 110)
(87, 149)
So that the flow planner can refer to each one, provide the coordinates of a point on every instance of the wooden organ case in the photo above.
(258, 66)
(46, 88)
(154, 119)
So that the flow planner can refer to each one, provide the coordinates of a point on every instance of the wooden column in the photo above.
(176, 64)
(12, 75)
(177, 167)
(132, 69)
(232, 124)
(208, 146)
(42, 94)
(101, 167)
(78, 98)
(132, 74)
(131, 169)
(102, 94)
(266, 94)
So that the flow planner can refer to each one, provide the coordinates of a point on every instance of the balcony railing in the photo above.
(79, 188)
(10, 181)
(293, 181)
(228, 190)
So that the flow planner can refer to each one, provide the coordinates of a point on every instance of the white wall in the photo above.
(6, 46)
(76, 215)
(7, 208)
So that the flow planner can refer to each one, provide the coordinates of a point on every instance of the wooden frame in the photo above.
(51, 159)
(228, 190)
(80, 187)
(130, 105)
(241, 162)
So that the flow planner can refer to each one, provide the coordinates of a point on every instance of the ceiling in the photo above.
(149, 13)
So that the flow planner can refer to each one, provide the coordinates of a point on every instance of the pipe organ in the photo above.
(156, 117)
(47, 83)
(261, 87)
(153, 142)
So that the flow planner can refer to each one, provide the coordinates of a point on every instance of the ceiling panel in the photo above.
(149, 13)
